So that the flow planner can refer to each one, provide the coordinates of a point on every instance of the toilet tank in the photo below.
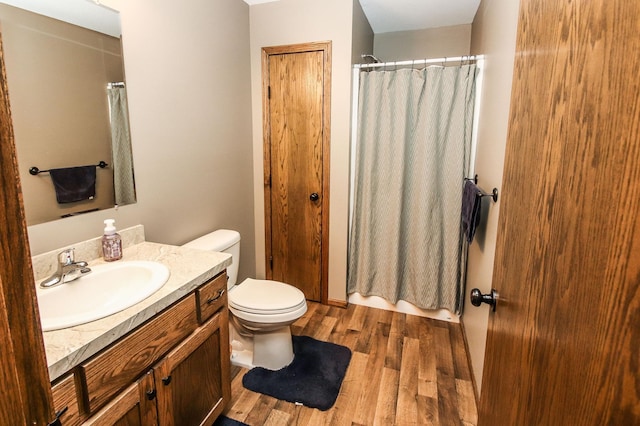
(223, 240)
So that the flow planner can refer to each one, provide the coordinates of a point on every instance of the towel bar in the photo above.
(35, 171)
(494, 193)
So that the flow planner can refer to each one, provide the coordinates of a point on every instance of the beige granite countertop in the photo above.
(189, 268)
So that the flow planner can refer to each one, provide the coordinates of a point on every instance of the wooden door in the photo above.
(296, 87)
(563, 345)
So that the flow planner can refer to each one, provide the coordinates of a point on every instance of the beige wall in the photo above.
(362, 35)
(494, 36)
(293, 22)
(57, 75)
(188, 77)
(421, 44)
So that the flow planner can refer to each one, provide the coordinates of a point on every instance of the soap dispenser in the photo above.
(111, 242)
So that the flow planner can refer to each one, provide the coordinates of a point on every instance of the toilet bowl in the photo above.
(261, 311)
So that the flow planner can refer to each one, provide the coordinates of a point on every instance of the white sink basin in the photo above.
(108, 289)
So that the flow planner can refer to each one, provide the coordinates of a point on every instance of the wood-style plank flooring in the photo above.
(405, 370)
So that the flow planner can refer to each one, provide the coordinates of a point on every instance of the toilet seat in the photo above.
(266, 297)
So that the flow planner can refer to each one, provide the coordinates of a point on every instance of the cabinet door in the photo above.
(65, 400)
(136, 406)
(193, 380)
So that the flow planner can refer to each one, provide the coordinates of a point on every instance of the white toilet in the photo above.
(261, 310)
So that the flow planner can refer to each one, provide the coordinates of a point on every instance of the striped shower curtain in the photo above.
(412, 155)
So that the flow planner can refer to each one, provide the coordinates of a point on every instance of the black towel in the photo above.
(74, 183)
(471, 203)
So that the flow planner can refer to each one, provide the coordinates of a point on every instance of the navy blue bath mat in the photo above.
(312, 379)
(226, 421)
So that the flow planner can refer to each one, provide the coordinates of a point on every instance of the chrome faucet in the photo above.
(68, 270)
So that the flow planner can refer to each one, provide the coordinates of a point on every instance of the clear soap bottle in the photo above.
(111, 242)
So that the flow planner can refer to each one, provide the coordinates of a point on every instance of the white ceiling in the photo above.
(92, 14)
(403, 15)
(383, 15)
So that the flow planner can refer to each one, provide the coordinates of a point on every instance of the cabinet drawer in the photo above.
(64, 396)
(115, 368)
(211, 296)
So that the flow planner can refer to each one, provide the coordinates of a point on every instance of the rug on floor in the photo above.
(226, 421)
(312, 379)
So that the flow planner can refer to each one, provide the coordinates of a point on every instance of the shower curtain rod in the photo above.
(421, 62)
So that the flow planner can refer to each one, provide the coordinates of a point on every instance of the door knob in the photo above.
(314, 196)
(491, 299)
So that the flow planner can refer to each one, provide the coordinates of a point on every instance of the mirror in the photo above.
(68, 104)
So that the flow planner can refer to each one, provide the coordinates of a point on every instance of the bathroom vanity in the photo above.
(163, 361)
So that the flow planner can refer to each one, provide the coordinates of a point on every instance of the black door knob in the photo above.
(477, 298)
(314, 196)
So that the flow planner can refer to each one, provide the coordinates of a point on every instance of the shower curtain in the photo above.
(123, 179)
(412, 155)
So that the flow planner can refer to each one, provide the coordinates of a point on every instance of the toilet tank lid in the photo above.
(219, 240)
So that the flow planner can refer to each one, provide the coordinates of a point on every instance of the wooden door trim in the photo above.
(325, 47)
(27, 392)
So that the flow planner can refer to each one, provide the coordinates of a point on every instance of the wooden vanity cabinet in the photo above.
(172, 370)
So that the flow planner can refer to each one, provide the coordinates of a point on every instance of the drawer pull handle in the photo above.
(166, 380)
(218, 296)
(151, 394)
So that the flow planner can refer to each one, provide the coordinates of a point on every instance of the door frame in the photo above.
(27, 395)
(325, 47)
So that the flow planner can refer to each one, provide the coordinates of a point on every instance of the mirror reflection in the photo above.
(69, 110)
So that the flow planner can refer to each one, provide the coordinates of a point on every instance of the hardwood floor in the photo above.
(405, 370)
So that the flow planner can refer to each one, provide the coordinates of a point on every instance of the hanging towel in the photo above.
(74, 183)
(471, 203)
